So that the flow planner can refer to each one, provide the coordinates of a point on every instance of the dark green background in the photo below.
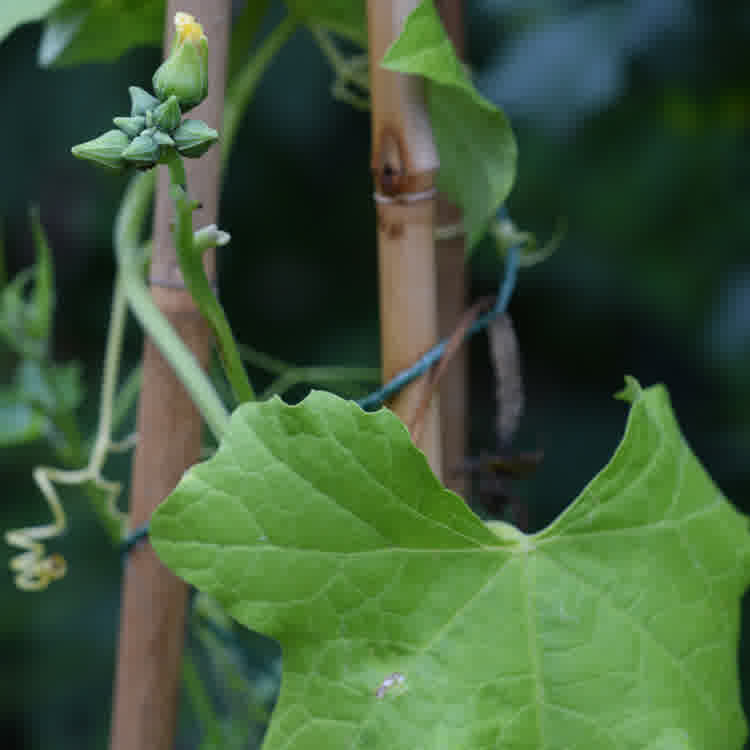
(632, 120)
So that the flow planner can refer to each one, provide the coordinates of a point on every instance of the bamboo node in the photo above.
(389, 164)
(421, 195)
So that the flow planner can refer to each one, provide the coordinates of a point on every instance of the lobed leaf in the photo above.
(406, 622)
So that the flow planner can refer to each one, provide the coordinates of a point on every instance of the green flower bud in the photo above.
(106, 150)
(131, 126)
(162, 138)
(184, 73)
(193, 138)
(143, 151)
(141, 101)
(167, 115)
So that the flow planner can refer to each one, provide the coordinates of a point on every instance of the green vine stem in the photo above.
(34, 570)
(196, 281)
(133, 210)
(289, 375)
(127, 396)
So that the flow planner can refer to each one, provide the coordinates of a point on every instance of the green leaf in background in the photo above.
(244, 30)
(28, 301)
(16, 12)
(52, 388)
(19, 421)
(346, 17)
(43, 296)
(473, 137)
(405, 622)
(82, 31)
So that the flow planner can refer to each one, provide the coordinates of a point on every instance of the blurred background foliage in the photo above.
(633, 122)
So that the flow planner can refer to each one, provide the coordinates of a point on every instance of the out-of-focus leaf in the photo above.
(54, 389)
(43, 296)
(571, 62)
(244, 30)
(14, 316)
(19, 421)
(81, 31)
(16, 12)
(67, 385)
(26, 316)
(474, 140)
(346, 17)
(34, 387)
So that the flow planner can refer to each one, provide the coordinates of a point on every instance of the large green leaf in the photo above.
(473, 137)
(16, 12)
(81, 31)
(346, 17)
(616, 627)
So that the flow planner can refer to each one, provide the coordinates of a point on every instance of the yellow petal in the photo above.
(187, 28)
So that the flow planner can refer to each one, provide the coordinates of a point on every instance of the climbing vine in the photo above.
(405, 620)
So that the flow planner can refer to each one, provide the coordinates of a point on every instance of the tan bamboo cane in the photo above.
(451, 286)
(404, 165)
(152, 620)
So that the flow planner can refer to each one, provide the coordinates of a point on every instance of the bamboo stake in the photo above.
(404, 164)
(451, 286)
(152, 620)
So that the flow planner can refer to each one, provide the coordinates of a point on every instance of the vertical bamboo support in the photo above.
(451, 286)
(152, 620)
(404, 164)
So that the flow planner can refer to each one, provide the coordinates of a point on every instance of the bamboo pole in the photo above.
(152, 619)
(451, 286)
(404, 164)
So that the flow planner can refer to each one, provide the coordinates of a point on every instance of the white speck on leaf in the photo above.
(396, 678)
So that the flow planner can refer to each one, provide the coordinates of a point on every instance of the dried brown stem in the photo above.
(438, 372)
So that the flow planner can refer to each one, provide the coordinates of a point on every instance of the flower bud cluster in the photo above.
(155, 127)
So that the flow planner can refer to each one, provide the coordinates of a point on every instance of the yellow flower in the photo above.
(184, 73)
(187, 28)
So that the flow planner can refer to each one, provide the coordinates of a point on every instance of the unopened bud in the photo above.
(184, 73)
(193, 138)
(106, 150)
(131, 126)
(167, 115)
(162, 138)
(141, 101)
(143, 151)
